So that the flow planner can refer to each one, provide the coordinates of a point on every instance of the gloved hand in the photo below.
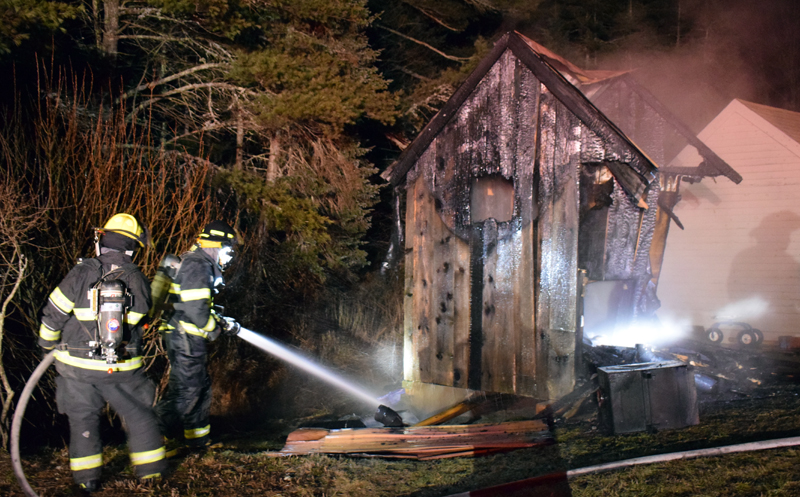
(214, 334)
(230, 327)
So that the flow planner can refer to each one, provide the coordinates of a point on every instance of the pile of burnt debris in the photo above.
(720, 371)
(629, 389)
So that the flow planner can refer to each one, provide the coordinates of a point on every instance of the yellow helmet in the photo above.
(217, 234)
(126, 225)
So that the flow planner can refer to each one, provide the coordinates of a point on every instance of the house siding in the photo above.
(741, 243)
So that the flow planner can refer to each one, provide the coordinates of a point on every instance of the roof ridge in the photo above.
(785, 120)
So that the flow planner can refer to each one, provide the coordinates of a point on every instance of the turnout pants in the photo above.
(187, 403)
(132, 399)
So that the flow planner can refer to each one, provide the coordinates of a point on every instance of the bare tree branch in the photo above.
(172, 77)
(435, 19)
(446, 56)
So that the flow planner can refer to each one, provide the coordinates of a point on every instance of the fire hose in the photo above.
(19, 413)
(530, 484)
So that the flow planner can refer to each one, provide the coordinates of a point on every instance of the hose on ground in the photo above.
(16, 424)
(529, 485)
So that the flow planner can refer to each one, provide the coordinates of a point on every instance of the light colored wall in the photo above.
(741, 242)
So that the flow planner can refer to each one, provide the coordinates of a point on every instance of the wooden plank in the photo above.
(558, 226)
(658, 244)
(443, 311)
(493, 319)
(545, 149)
(501, 300)
(528, 88)
(525, 304)
(461, 313)
(449, 414)
(410, 356)
(424, 281)
(419, 442)
(476, 278)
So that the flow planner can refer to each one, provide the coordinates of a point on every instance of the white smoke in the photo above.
(662, 331)
(743, 310)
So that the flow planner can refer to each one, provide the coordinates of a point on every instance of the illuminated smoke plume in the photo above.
(743, 310)
(662, 331)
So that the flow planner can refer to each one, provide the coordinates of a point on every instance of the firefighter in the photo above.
(193, 323)
(93, 320)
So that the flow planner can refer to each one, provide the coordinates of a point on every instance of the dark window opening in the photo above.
(491, 197)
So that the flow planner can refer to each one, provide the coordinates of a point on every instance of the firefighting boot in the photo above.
(172, 447)
(89, 487)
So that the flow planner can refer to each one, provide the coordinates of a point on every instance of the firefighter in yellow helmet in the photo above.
(184, 411)
(93, 319)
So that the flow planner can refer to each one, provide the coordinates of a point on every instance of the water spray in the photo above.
(292, 357)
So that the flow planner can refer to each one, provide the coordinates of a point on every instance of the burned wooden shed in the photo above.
(499, 190)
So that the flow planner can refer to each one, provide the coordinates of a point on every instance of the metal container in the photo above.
(647, 396)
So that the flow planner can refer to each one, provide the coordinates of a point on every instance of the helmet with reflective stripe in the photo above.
(126, 225)
(217, 234)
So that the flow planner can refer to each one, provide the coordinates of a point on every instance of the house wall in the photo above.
(740, 250)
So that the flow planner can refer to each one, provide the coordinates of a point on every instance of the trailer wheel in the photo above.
(747, 338)
(759, 336)
(714, 335)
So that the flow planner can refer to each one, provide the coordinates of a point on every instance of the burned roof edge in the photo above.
(556, 83)
(398, 170)
(713, 162)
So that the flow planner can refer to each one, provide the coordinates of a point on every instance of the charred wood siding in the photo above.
(486, 317)
(559, 163)
(494, 305)
(493, 133)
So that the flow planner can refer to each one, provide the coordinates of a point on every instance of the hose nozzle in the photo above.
(387, 417)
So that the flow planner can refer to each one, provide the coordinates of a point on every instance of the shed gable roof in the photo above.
(594, 82)
(643, 170)
(712, 164)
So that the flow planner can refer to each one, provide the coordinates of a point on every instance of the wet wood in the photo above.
(558, 238)
(461, 312)
(437, 296)
(450, 413)
(658, 243)
(422, 443)
(423, 292)
(442, 243)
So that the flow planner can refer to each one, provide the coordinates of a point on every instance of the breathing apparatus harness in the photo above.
(110, 301)
(162, 307)
(160, 288)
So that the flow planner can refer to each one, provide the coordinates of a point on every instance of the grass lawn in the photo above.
(243, 465)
